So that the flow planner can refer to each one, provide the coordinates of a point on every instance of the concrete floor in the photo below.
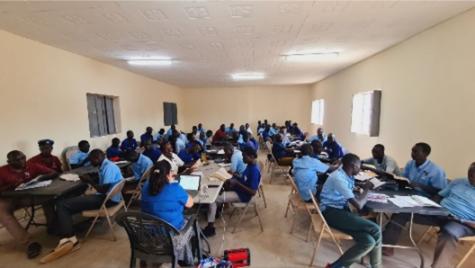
(274, 247)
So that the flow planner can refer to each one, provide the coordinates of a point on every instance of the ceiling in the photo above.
(209, 40)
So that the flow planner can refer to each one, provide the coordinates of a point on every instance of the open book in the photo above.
(413, 201)
(221, 174)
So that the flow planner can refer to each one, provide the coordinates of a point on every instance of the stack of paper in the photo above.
(365, 175)
(221, 174)
(69, 177)
(413, 201)
(35, 184)
(380, 198)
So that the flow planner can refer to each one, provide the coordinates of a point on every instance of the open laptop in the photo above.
(191, 183)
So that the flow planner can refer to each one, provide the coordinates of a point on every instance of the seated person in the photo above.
(81, 157)
(191, 153)
(164, 198)
(170, 156)
(336, 195)
(318, 151)
(160, 135)
(194, 133)
(382, 161)
(284, 156)
(273, 130)
(230, 130)
(424, 176)
(246, 142)
(305, 169)
(285, 136)
(129, 144)
(151, 151)
(236, 158)
(45, 158)
(140, 163)
(16, 172)
(147, 136)
(248, 129)
(331, 146)
(201, 129)
(236, 189)
(113, 152)
(180, 143)
(109, 176)
(220, 135)
(321, 137)
(296, 132)
(170, 131)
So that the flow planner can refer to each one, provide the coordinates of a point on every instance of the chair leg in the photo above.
(263, 196)
(259, 218)
(317, 246)
(111, 227)
(465, 257)
(232, 213)
(308, 232)
(92, 226)
(424, 235)
(240, 218)
(287, 210)
(293, 223)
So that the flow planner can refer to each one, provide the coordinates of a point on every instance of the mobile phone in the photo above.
(213, 186)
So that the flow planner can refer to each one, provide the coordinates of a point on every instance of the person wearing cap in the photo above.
(45, 158)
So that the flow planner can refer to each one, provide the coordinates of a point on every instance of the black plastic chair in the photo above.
(150, 237)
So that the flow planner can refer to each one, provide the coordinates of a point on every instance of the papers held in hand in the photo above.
(412, 201)
(365, 175)
(221, 175)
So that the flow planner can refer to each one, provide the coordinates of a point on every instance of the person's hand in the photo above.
(368, 185)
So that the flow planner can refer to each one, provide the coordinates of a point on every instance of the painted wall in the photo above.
(428, 91)
(239, 105)
(43, 95)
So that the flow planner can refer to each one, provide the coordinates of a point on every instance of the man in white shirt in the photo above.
(381, 161)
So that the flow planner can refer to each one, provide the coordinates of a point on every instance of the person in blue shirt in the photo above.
(425, 177)
(296, 132)
(109, 176)
(237, 189)
(237, 161)
(113, 152)
(129, 144)
(331, 146)
(266, 133)
(336, 194)
(180, 143)
(305, 170)
(230, 130)
(273, 130)
(81, 157)
(159, 136)
(191, 153)
(170, 131)
(201, 129)
(283, 155)
(318, 151)
(147, 136)
(152, 151)
(320, 136)
(139, 163)
(246, 142)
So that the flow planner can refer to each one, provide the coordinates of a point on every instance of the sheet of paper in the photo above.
(380, 198)
(401, 178)
(211, 151)
(376, 182)
(365, 175)
(424, 201)
(404, 201)
(224, 165)
(69, 177)
(221, 151)
(37, 184)
(221, 174)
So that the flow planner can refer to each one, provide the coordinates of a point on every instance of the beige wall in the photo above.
(428, 86)
(43, 95)
(214, 106)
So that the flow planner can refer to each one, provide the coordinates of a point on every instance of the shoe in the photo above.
(33, 250)
(65, 246)
(209, 231)
(388, 252)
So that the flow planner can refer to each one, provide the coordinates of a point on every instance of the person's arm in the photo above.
(359, 201)
(236, 183)
(189, 202)
(46, 173)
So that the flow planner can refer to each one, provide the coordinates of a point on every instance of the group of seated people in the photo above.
(333, 184)
(161, 195)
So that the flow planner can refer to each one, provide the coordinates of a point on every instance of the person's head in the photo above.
(231, 126)
(471, 174)
(190, 137)
(241, 128)
(295, 125)
(306, 149)
(249, 156)
(351, 164)
(222, 127)
(317, 147)
(274, 125)
(173, 127)
(160, 176)
(115, 142)
(228, 149)
(420, 152)
(166, 148)
(96, 157)
(84, 146)
(283, 130)
(46, 146)
(319, 131)
(209, 133)
(331, 138)
(130, 134)
(161, 131)
(16, 159)
(194, 129)
(149, 130)
(200, 126)
(266, 122)
(132, 156)
(247, 125)
(378, 152)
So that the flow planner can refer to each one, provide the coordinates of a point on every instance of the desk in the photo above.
(91, 169)
(212, 193)
(389, 207)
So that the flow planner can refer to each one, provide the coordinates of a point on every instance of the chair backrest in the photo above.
(116, 189)
(66, 154)
(293, 184)
(148, 234)
(144, 178)
(260, 164)
(317, 208)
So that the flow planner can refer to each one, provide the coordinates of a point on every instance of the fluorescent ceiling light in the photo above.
(150, 62)
(248, 76)
(308, 57)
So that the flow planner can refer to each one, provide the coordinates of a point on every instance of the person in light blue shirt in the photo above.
(159, 136)
(230, 130)
(201, 129)
(422, 173)
(337, 193)
(81, 157)
(273, 130)
(321, 137)
(170, 131)
(305, 169)
(332, 147)
(180, 143)
(140, 163)
(237, 163)
(109, 176)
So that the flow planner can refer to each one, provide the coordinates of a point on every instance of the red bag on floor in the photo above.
(238, 257)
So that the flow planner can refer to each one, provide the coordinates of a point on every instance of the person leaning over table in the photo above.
(81, 157)
(332, 147)
(151, 151)
(283, 155)
(109, 176)
(427, 179)
(236, 158)
(382, 161)
(140, 163)
(336, 195)
(16, 172)
(46, 158)
(305, 170)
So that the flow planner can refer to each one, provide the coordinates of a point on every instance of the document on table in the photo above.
(221, 151)
(399, 178)
(32, 185)
(221, 174)
(412, 201)
(376, 197)
(376, 182)
(69, 177)
(224, 165)
(365, 175)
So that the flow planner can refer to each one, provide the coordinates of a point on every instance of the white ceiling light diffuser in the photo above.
(248, 76)
(311, 56)
(162, 61)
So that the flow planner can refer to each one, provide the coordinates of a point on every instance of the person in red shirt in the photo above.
(220, 134)
(45, 158)
(16, 172)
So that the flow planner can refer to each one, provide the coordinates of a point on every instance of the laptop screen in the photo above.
(190, 182)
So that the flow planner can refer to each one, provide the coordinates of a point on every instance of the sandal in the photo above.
(33, 250)
(65, 246)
